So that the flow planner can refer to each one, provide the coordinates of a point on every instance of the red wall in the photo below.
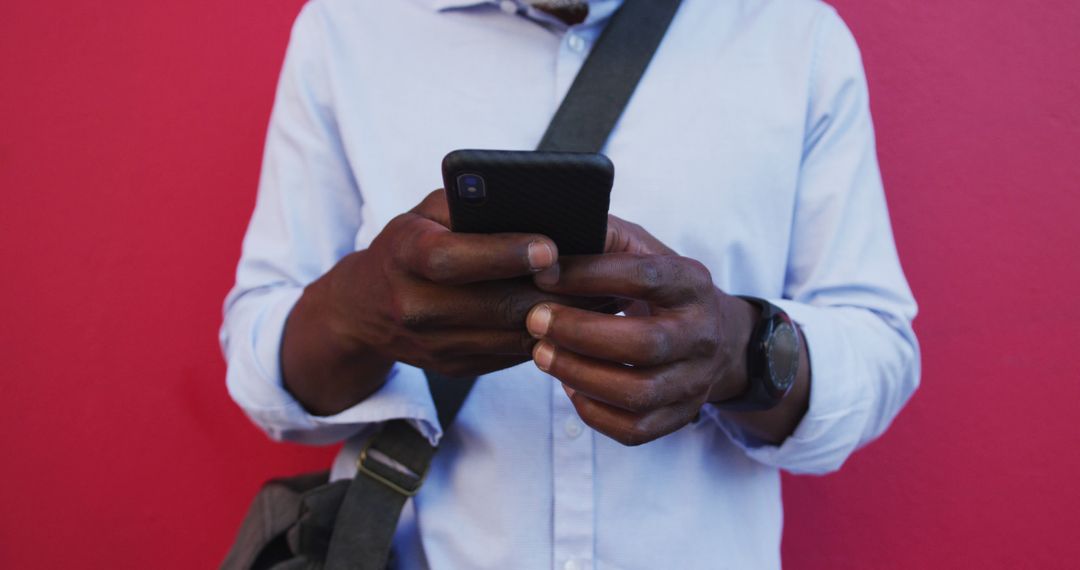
(130, 137)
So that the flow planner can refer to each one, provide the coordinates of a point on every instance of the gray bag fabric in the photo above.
(305, 522)
(288, 517)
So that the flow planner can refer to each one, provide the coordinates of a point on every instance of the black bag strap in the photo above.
(391, 468)
(392, 465)
(605, 82)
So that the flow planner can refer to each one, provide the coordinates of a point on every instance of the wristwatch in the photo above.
(772, 360)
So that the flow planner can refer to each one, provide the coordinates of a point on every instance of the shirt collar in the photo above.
(437, 5)
(599, 10)
(448, 4)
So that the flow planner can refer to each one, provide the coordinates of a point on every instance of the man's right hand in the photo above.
(420, 294)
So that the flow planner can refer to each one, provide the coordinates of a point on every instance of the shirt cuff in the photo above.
(829, 432)
(255, 383)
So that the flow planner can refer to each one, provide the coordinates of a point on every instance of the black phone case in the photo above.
(563, 195)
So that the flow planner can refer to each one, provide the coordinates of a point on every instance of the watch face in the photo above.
(783, 356)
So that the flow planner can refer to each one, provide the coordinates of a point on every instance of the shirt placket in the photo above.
(572, 479)
(574, 520)
(572, 51)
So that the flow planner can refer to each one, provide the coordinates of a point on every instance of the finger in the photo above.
(640, 341)
(455, 343)
(463, 367)
(637, 309)
(626, 427)
(627, 237)
(488, 305)
(634, 389)
(434, 207)
(434, 253)
(668, 280)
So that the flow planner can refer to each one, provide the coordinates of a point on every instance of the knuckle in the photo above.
(635, 434)
(644, 397)
(402, 238)
(436, 263)
(689, 277)
(657, 346)
(411, 314)
(650, 274)
(398, 222)
(698, 275)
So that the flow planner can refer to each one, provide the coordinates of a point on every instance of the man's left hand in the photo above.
(639, 377)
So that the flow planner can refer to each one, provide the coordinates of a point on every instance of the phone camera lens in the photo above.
(471, 188)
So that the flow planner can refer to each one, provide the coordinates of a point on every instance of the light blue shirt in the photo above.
(748, 146)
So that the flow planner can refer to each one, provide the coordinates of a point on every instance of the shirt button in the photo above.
(572, 565)
(576, 42)
(509, 6)
(573, 428)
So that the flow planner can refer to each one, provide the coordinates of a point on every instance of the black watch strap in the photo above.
(772, 360)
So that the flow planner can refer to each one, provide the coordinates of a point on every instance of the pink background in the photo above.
(130, 139)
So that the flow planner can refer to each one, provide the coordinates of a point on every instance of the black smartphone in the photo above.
(562, 195)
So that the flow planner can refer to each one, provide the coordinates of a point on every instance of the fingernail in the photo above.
(543, 354)
(539, 320)
(548, 277)
(540, 255)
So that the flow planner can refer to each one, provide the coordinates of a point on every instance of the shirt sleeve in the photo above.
(306, 217)
(844, 285)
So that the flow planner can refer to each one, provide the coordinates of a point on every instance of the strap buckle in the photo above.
(370, 458)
